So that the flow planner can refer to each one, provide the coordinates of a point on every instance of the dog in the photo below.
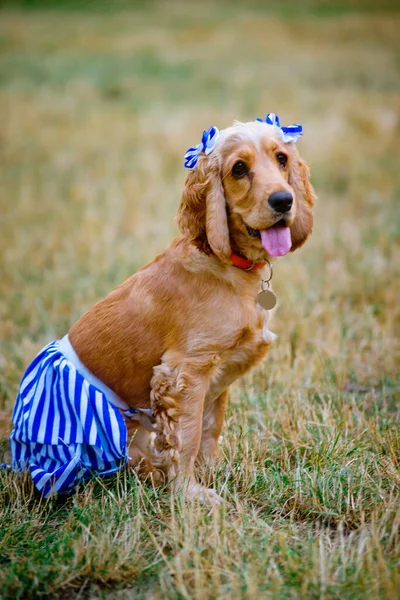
(164, 347)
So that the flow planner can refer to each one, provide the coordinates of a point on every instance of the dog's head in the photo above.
(252, 194)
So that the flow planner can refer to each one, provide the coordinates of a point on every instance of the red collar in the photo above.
(244, 263)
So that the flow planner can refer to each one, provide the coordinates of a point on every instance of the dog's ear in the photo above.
(202, 211)
(299, 179)
(191, 215)
(216, 218)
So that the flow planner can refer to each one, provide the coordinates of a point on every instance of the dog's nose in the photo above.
(281, 201)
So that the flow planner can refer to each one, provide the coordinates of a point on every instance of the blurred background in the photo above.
(98, 103)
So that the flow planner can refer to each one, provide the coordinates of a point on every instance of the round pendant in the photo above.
(266, 299)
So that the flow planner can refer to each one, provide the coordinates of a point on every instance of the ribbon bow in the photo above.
(291, 133)
(207, 145)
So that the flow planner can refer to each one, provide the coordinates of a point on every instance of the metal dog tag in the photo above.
(266, 299)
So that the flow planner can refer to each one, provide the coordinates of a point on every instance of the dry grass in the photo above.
(97, 110)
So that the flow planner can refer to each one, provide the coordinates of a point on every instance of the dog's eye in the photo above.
(239, 169)
(282, 159)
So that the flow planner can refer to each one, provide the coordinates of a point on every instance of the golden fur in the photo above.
(175, 335)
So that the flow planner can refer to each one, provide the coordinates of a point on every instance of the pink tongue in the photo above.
(276, 241)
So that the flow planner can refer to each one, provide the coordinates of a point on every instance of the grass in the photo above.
(97, 108)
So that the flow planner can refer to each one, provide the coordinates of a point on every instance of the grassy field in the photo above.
(97, 108)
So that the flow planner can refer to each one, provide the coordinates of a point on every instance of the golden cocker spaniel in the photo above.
(179, 332)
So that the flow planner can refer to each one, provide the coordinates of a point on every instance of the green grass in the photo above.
(97, 107)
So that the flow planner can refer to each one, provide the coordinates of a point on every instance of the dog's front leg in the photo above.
(213, 420)
(177, 398)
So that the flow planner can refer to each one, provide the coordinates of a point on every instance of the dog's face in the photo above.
(252, 195)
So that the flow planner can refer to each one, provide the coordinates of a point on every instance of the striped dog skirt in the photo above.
(67, 424)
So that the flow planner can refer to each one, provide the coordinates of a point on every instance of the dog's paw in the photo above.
(196, 491)
(210, 453)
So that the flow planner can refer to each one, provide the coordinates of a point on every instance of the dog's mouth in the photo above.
(255, 233)
(276, 240)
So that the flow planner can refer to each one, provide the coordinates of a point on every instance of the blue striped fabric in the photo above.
(65, 429)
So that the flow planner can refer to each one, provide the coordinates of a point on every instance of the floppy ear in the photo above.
(191, 215)
(202, 213)
(299, 179)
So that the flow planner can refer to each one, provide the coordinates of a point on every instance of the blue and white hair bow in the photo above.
(207, 145)
(290, 133)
